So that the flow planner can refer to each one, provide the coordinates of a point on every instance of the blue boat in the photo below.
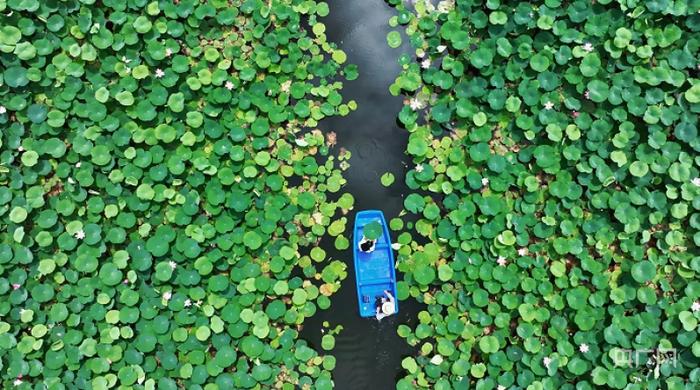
(374, 271)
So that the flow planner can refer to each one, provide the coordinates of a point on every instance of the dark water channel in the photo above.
(368, 352)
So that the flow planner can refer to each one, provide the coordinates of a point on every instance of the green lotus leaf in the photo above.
(643, 271)
(387, 179)
(393, 38)
(372, 230)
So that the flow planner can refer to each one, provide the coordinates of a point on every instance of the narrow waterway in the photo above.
(368, 352)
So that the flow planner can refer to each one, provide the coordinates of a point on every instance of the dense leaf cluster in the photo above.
(556, 184)
(159, 193)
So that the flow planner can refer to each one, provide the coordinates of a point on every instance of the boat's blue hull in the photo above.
(374, 272)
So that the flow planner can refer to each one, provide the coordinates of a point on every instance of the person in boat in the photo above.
(366, 245)
(385, 305)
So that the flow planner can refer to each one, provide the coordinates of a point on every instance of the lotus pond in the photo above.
(178, 181)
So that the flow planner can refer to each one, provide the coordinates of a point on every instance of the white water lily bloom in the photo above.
(522, 251)
(501, 387)
(71, 181)
(125, 60)
(502, 261)
(17, 382)
(445, 6)
(167, 295)
(419, 168)
(229, 85)
(583, 348)
(425, 64)
(548, 105)
(484, 181)
(588, 47)
(168, 52)
(172, 264)
(695, 306)
(396, 246)
(80, 234)
(159, 73)
(3, 109)
(416, 104)
(285, 86)
(77, 165)
(547, 361)
(436, 360)
(441, 48)
(696, 181)
(188, 303)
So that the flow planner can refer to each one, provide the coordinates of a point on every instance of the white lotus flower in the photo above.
(285, 86)
(583, 348)
(172, 264)
(484, 181)
(188, 303)
(419, 168)
(445, 6)
(548, 105)
(425, 64)
(16, 286)
(125, 60)
(159, 73)
(167, 295)
(229, 85)
(547, 361)
(168, 52)
(17, 382)
(696, 181)
(588, 47)
(522, 251)
(77, 165)
(3, 110)
(416, 104)
(695, 306)
(502, 261)
(20, 148)
(71, 181)
(80, 234)
(501, 387)
(436, 360)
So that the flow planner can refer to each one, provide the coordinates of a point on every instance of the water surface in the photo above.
(368, 352)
